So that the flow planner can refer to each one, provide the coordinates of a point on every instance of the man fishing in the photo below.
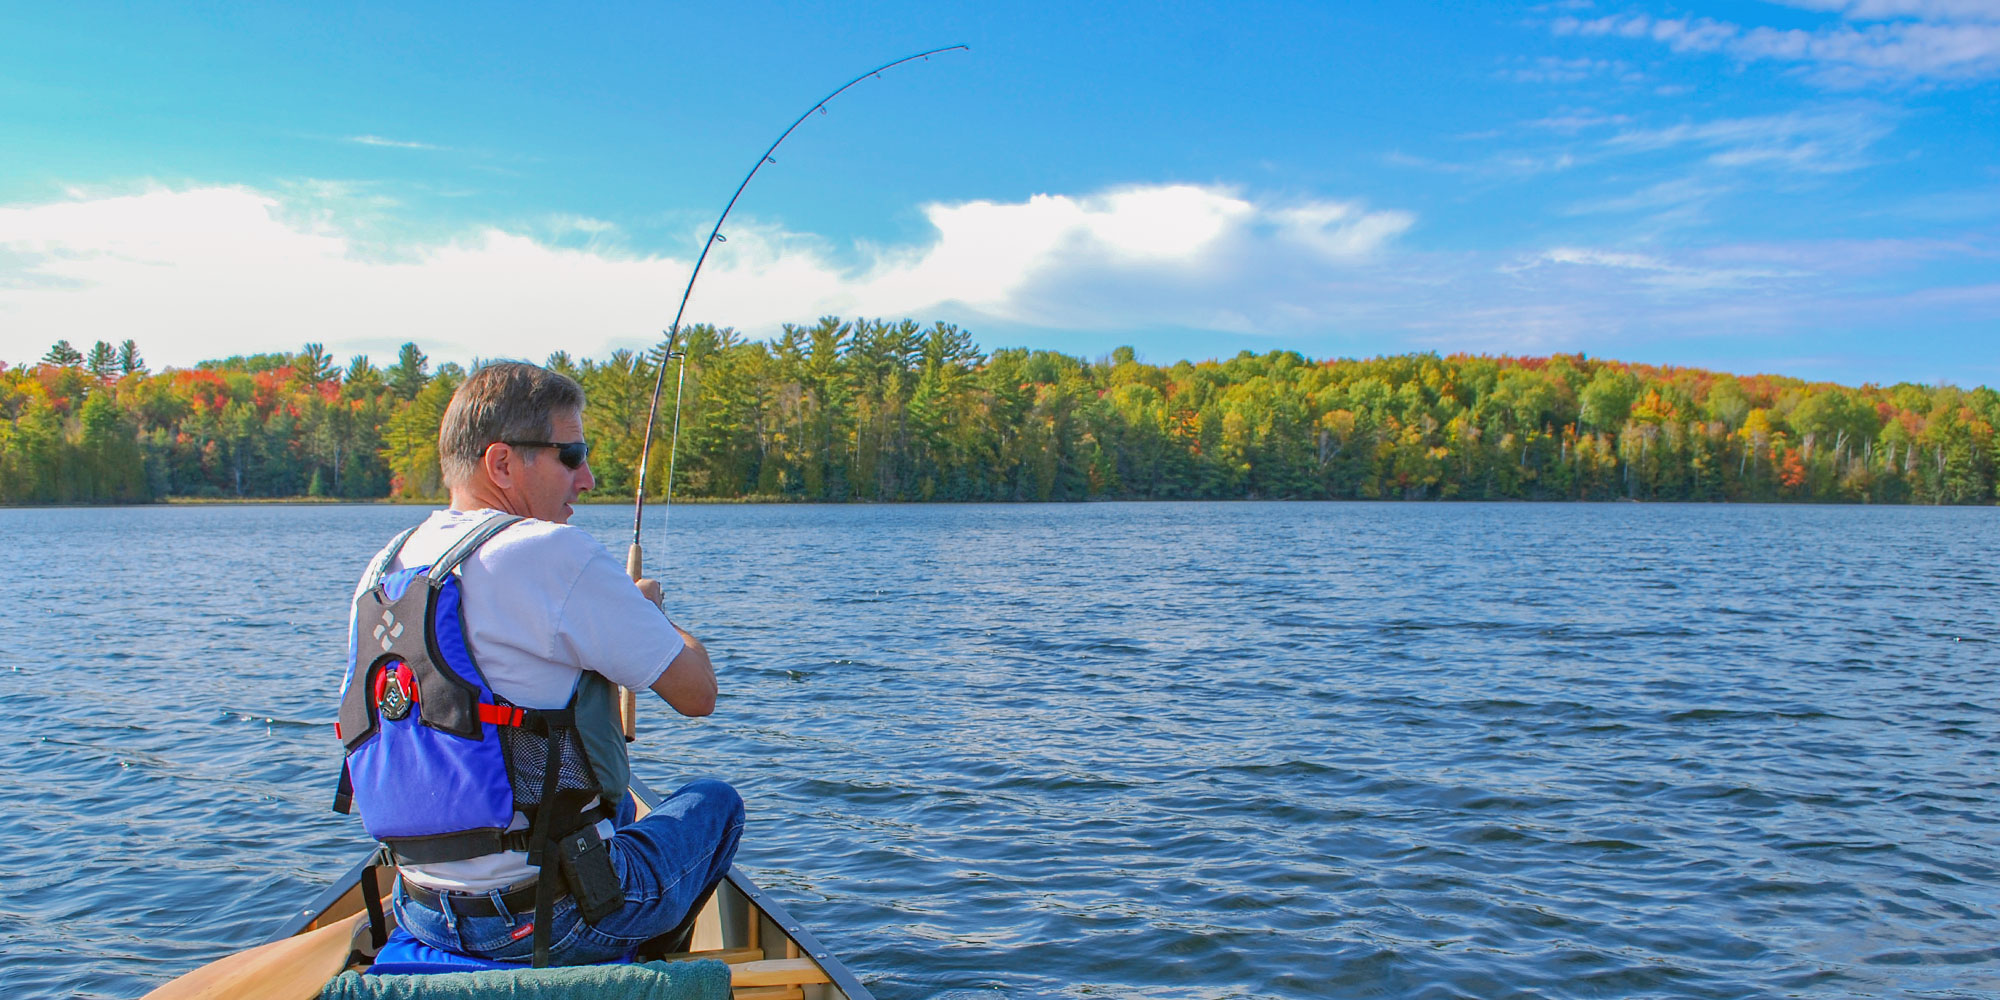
(480, 708)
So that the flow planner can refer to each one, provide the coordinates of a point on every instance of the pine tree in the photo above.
(361, 373)
(129, 361)
(312, 365)
(103, 361)
(411, 372)
(62, 355)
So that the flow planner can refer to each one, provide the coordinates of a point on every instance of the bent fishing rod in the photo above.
(635, 556)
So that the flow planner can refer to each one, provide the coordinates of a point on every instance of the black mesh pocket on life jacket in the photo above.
(526, 752)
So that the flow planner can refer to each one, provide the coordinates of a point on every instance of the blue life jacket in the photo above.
(436, 761)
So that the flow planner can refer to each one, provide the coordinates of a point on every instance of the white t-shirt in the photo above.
(543, 602)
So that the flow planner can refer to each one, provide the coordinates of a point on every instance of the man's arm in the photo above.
(688, 683)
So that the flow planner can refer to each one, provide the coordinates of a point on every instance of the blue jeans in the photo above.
(665, 863)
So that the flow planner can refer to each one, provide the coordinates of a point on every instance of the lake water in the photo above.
(1170, 750)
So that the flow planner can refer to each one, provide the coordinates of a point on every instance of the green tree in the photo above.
(108, 456)
(411, 372)
(1607, 399)
(102, 362)
(62, 355)
(312, 366)
(362, 379)
(129, 361)
(410, 443)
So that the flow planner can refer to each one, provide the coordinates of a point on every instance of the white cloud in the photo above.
(1602, 258)
(1876, 41)
(207, 272)
(1552, 69)
(1398, 158)
(1619, 300)
(1678, 170)
(1340, 230)
(988, 253)
(1663, 275)
(1509, 165)
(581, 224)
(376, 140)
(1574, 122)
(1829, 141)
(1675, 200)
(1882, 10)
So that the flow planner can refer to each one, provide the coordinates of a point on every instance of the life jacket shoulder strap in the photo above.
(388, 557)
(463, 548)
(470, 543)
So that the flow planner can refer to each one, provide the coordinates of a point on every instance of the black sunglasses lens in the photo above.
(573, 453)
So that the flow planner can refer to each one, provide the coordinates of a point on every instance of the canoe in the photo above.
(771, 956)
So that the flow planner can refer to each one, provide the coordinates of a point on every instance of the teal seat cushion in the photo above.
(707, 979)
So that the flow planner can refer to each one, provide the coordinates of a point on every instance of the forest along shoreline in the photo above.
(879, 411)
(626, 501)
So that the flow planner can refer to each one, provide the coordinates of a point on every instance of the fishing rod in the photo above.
(635, 556)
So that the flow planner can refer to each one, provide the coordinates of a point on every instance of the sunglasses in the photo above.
(570, 453)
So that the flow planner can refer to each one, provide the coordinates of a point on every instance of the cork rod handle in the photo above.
(628, 703)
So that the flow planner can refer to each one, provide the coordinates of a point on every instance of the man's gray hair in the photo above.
(501, 401)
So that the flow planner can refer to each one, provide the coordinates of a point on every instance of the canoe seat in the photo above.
(404, 955)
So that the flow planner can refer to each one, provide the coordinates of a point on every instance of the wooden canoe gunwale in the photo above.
(809, 946)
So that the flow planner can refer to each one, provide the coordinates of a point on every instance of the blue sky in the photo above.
(1809, 187)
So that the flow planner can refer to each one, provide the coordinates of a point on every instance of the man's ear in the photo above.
(501, 463)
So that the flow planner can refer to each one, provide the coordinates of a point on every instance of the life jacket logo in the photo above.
(394, 702)
(389, 631)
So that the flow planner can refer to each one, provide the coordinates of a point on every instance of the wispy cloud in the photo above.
(1875, 41)
(1680, 199)
(1680, 171)
(1554, 69)
(1577, 121)
(1715, 305)
(1706, 159)
(1661, 274)
(1884, 10)
(1512, 165)
(1826, 141)
(582, 224)
(1398, 158)
(376, 140)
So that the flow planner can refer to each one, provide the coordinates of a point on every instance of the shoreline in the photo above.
(769, 500)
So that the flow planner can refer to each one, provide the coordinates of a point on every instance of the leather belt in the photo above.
(518, 899)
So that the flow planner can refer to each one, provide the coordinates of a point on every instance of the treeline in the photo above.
(869, 410)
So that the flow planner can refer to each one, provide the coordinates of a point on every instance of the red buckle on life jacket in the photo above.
(501, 715)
